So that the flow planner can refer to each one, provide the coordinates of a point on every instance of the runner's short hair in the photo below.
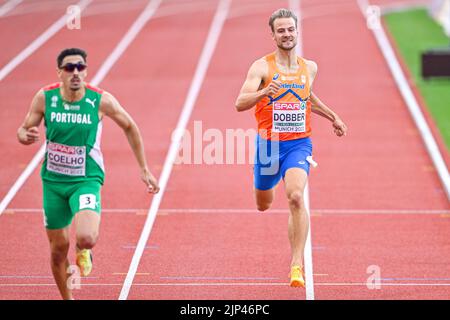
(70, 52)
(282, 13)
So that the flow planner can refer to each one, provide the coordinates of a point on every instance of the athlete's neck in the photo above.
(72, 95)
(286, 58)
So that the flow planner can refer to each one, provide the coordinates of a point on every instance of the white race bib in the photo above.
(68, 160)
(289, 117)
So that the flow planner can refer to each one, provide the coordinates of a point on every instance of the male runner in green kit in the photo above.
(73, 172)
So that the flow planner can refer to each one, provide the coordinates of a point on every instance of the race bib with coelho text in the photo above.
(67, 160)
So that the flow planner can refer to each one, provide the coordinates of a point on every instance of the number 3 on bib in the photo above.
(289, 117)
(87, 201)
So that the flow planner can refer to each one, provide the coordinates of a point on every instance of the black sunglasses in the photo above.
(70, 67)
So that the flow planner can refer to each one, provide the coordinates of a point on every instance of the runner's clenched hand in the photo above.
(29, 136)
(150, 181)
(272, 88)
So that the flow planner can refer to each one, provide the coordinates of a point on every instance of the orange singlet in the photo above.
(288, 114)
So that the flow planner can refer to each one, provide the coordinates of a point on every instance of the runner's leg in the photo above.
(87, 224)
(295, 181)
(264, 198)
(85, 203)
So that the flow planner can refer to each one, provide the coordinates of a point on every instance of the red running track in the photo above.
(25, 23)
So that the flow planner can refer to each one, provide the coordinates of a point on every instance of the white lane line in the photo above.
(410, 100)
(233, 284)
(385, 284)
(8, 6)
(104, 69)
(197, 81)
(25, 277)
(380, 211)
(252, 211)
(295, 6)
(39, 41)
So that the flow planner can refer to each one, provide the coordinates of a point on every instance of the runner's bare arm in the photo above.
(110, 107)
(28, 132)
(251, 93)
(320, 108)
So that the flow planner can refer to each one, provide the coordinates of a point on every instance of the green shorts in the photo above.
(63, 200)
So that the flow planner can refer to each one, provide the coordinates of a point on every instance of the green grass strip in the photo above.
(414, 32)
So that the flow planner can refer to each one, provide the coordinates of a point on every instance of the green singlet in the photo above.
(73, 137)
